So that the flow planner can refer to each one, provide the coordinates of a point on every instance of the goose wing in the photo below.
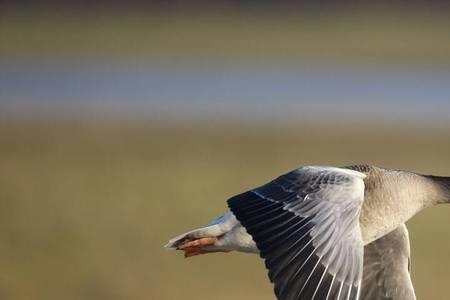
(387, 268)
(306, 226)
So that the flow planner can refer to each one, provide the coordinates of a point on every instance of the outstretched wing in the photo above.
(386, 268)
(306, 226)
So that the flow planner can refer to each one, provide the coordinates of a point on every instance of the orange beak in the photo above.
(194, 247)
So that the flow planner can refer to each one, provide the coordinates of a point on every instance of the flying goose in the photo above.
(326, 233)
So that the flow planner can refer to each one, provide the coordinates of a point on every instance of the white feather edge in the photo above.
(335, 169)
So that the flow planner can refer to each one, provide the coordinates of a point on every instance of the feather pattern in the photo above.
(305, 225)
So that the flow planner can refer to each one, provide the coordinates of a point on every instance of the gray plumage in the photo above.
(387, 265)
(329, 233)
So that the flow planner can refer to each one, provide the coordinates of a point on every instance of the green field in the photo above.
(87, 206)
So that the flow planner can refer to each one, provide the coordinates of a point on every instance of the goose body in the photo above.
(326, 233)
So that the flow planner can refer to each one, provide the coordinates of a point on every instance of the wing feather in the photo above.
(386, 268)
(306, 227)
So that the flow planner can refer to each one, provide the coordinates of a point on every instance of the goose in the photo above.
(326, 233)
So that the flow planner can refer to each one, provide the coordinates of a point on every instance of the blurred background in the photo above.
(123, 124)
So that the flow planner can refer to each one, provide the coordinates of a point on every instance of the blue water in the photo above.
(217, 90)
